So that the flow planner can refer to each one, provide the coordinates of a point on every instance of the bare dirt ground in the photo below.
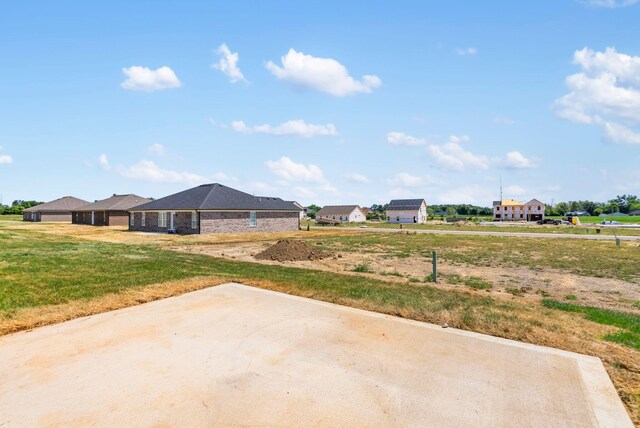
(514, 283)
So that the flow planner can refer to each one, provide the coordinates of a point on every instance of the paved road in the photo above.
(593, 237)
(234, 355)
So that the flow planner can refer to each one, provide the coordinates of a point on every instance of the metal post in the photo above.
(434, 275)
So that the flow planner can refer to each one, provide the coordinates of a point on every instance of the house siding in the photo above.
(408, 216)
(101, 218)
(220, 222)
(181, 223)
(53, 216)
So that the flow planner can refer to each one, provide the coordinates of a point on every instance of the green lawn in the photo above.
(629, 323)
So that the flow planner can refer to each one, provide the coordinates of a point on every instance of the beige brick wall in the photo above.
(224, 222)
(221, 222)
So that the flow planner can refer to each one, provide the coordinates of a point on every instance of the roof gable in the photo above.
(217, 197)
(66, 203)
(405, 204)
(115, 203)
(337, 210)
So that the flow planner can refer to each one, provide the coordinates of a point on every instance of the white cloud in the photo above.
(322, 74)
(148, 171)
(405, 179)
(516, 160)
(611, 4)
(401, 139)
(467, 51)
(292, 171)
(5, 159)
(605, 93)
(451, 156)
(103, 161)
(228, 64)
(295, 128)
(457, 139)
(156, 149)
(354, 177)
(617, 133)
(144, 79)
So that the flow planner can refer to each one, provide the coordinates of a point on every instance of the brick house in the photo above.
(57, 210)
(113, 211)
(214, 208)
(407, 211)
(342, 213)
(511, 210)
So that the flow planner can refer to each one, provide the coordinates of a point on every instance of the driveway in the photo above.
(593, 237)
(236, 355)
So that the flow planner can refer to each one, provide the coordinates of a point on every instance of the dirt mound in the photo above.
(289, 250)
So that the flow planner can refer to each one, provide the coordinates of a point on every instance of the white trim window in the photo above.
(132, 219)
(194, 220)
(142, 219)
(162, 219)
(253, 220)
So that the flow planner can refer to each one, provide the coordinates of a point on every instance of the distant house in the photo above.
(57, 210)
(303, 210)
(634, 212)
(407, 211)
(214, 208)
(113, 211)
(511, 210)
(365, 210)
(343, 213)
(616, 214)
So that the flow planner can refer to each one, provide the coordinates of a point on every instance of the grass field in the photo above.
(587, 258)
(587, 229)
(47, 276)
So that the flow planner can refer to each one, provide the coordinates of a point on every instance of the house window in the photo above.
(132, 220)
(539, 208)
(252, 219)
(142, 220)
(162, 219)
(194, 220)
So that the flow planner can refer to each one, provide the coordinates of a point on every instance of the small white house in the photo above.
(303, 210)
(407, 211)
(511, 210)
(343, 213)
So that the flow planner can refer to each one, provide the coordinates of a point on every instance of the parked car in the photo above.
(552, 221)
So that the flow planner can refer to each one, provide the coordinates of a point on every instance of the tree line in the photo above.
(17, 207)
(624, 204)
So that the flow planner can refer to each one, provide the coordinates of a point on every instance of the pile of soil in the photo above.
(289, 250)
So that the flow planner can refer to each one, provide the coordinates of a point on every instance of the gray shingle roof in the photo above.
(115, 203)
(405, 204)
(66, 203)
(337, 210)
(217, 197)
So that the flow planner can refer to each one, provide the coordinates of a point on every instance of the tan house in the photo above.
(407, 211)
(113, 211)
(57, 210)
(512, 210)
(342, 213)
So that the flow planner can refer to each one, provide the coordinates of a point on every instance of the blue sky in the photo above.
(322, 102)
